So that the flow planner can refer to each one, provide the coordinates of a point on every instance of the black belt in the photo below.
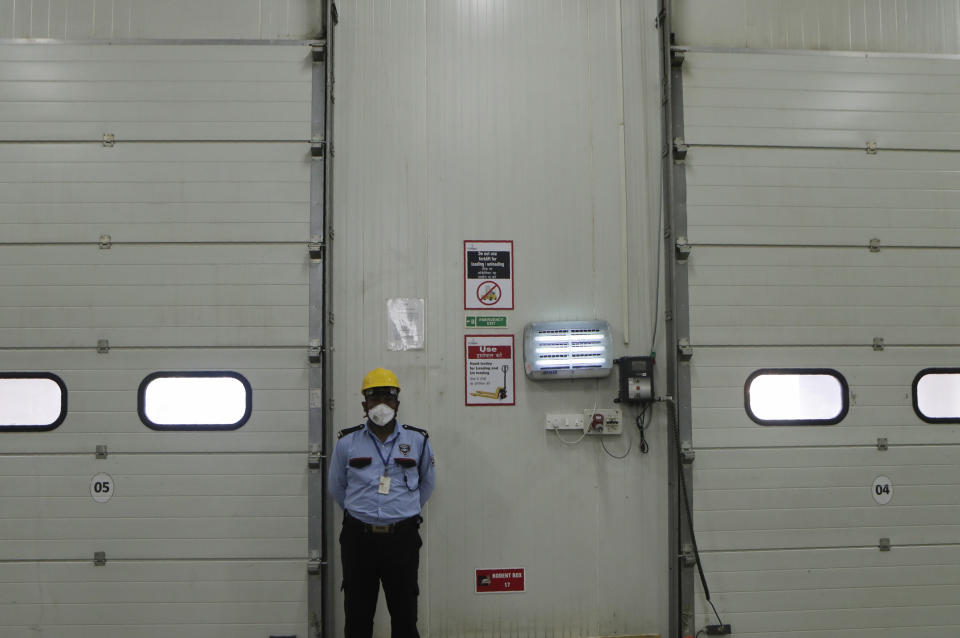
(350, 521)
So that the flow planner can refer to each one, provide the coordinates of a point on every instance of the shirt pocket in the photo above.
(409, 472)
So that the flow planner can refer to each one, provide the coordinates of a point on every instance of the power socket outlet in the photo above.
(603, 421)
(718, 630)
(565, 421)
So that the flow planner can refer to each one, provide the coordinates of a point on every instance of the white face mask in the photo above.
(381, 414)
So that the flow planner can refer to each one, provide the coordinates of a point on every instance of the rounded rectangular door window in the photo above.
(194, 401)
(31, 401)
(936, 395)
(790, 396)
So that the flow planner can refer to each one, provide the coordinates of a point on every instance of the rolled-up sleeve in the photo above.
(428, 472)
(337, 474)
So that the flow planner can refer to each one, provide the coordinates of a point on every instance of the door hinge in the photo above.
(878, 343)
(874, 245)
(872, 148)
(884, 545)
(109, 140)
(103, 346)
(99, 559)
(106, 242)
(882, 444)
(101, 452)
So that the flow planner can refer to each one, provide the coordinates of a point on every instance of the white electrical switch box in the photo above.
(603, 421)
(568, 421)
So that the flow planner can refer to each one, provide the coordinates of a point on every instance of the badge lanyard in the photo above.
(376, 445)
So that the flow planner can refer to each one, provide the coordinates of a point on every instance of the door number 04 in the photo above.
(882, 490)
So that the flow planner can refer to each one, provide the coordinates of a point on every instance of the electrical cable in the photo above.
(564, 441)
(656, 296)
(603, 444)
(687, 508)
(642, 426)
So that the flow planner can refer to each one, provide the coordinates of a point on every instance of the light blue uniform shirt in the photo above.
(358, 464)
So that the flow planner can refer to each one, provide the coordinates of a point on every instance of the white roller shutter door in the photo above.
(205, 199)
(785, 194)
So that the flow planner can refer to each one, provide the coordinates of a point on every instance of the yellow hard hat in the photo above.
(380, 378)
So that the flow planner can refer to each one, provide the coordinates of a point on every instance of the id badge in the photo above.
(384, 485)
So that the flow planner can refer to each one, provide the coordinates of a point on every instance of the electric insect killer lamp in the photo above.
(567, 349)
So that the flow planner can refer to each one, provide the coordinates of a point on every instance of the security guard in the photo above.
(381, 475)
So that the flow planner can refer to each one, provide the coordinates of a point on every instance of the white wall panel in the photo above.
(822, 197)
(172, 19)
(136, 93)
(481, 120)
(796, 100)
(904, 26)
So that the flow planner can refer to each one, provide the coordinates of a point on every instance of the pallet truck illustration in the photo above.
(500, 393)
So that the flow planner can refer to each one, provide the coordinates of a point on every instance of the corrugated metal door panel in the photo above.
(169, 507)
(102, 397)
(820, 101)
(822, 197)
(814, 296)
(121, 592)
(243, 287)
(880, 401)
(77, 92)
(781, 276)
(189, 192)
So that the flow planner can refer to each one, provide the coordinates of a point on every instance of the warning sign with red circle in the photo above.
(488, 275)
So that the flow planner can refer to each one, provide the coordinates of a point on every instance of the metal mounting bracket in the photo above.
(101, 452)
(677, 58)
(684, 349)
(99, 559)
(314, 457)
(872, 148)
(106, 242)
(318, 147)
(882, 444)
(874, 245)
(109, 140)
(103, 346)
(688, 556)
(687, 453)
(679, 150)
(878, 343)
(319, 53)
(314, 563)
(315, 351)
(884, 544)
(316, 247)
(683, 249)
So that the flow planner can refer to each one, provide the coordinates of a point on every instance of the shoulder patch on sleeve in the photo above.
(421, 431)
(346, 431)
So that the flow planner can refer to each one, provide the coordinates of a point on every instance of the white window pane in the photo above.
(30, 402)
(796, 397)
(938, 395)
(195, 400)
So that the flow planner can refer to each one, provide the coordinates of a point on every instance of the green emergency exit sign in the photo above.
(486, 321)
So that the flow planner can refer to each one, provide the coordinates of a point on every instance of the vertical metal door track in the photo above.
(319, 509)
(681, 575)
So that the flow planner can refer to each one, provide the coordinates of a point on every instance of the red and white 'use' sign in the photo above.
(500, 580)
